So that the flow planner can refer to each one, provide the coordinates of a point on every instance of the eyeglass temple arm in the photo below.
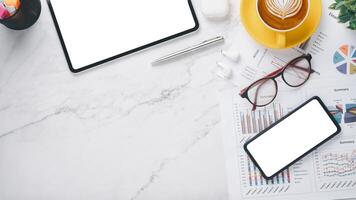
(303, 69)
(279, 71)
(267, 76)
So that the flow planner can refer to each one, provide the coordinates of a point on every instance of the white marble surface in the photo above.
(124, 130)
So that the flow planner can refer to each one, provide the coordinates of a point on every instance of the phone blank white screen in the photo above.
(291, 138)
(96, 30)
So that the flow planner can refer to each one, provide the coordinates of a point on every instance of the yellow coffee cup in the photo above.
(279, 13)
(278, 38)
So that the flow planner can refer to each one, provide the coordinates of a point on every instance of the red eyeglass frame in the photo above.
(275, 74)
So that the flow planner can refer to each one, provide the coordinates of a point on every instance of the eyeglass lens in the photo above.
(264, 91)
(297, 72)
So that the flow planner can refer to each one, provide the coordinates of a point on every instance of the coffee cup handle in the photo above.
(281, 39)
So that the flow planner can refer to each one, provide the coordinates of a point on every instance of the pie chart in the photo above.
(345, 59)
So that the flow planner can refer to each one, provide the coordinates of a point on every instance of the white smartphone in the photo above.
(292, 137)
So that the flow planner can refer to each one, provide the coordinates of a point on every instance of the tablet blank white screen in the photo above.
(97, 30)
(292, 138)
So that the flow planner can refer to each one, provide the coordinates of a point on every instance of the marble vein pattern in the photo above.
(122, 131)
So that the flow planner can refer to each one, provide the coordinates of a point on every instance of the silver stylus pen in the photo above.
(189, 50)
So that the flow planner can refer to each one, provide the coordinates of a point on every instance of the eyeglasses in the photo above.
(263, 92)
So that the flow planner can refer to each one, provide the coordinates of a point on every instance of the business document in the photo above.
(329, 172)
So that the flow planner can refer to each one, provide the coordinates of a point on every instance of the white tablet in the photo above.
(95, 32)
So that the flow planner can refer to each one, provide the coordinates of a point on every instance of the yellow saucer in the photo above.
(267, 37)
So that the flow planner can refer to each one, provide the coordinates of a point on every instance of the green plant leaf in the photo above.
(344, 18)
(353, 8)
(340, 4)
(352, 26)
(347, 12)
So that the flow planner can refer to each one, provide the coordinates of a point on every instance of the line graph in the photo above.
(339, 165)
(336, 170)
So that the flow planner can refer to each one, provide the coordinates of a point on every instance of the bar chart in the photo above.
(255, 122)
(255, 178)
(289, 181)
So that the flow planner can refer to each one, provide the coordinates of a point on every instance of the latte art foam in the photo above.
(284, 8)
